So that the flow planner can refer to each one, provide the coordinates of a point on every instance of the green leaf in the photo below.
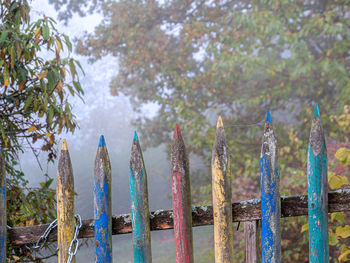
(72, 68)
(28, 102)
(68, 43)
(3, 35)
(50, 115)
(46, 31)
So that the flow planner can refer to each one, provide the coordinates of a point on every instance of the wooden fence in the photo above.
(317, 204)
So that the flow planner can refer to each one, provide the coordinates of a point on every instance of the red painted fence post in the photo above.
(180, 179)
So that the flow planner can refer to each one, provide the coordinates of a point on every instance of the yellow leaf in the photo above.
(52, 140)
(42, 74)
(345, 180)
(332, 238)
(343, 232)
(48, 134)
(338, 216)
(344, 256)
(343, 155)
(304, 228)
(7, 81)
(335, 182)
(329, 53)
(59, 46)
(30, 222)
(31, 129)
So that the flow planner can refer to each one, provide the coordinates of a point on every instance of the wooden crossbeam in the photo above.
(338, 201)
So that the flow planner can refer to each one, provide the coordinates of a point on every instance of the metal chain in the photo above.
(75, 242)
(73, 245)
(43, 238)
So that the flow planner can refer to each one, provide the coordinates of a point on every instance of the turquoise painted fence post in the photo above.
(270, 197)
(139, 205)
(181, 191)
(3, 219)
(103, 205)
(317, 192)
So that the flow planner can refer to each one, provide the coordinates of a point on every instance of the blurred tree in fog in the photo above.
(197, 59)
(234, 58)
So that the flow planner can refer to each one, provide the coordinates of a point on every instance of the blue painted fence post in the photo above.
(139, 205)
(3, 220)
(103, 205)
(317, 192)
(270, 197)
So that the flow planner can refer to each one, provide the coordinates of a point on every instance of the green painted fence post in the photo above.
(139, 205)
(317, 192)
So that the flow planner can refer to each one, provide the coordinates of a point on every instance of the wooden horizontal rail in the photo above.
(338, 201)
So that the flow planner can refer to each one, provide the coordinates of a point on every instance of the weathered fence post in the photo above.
(180, 178)
(317, 192)
(3, 219)
(65, 204)
(139, 205)
(103, 205)
(270, 197)
(252, 241)
(222, 195)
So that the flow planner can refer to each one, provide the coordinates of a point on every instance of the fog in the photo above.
(103, 114)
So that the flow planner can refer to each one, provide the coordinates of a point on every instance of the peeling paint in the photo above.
(3, 221)
(317, 192)
(181, 197)
(102, 205)
(140, 215)
(65, 204)
(222, 195)
(270, 198)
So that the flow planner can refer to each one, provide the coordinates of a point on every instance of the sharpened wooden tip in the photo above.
(177, 132)
(316, 111)
(220, 144)
(64, 145)
(136, 138)
(317, 139)
(219, 124)
(268, 117)
(136, 158)
(179, 160)
(102, 141)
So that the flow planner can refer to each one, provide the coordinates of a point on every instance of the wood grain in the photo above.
(338, 201)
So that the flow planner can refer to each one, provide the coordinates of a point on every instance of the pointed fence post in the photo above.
(180, 178)
(222, 195)
(3, 219)
(270, 197)
(65, 204)
(139, 205)
(103, 205)
(317, 192)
